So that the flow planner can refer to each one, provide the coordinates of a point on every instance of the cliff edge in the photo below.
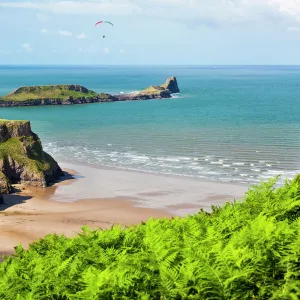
(22, 159)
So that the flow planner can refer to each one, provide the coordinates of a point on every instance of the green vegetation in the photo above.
(153, 89)
(27, 153)
(12, 123)
(63, 92)
(104, 96)
(5, 186)
(165, 85)
(247, 249)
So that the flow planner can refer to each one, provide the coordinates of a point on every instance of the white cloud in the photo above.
(44, 30)
(42, 17)
(293, 29)
(27, 47)
(206, 12)
(81, 36)
(106, 50)
(65, 33)
(120, 7)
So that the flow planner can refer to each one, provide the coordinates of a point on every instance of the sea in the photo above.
(237, 124)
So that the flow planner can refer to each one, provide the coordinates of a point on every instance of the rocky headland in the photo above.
(153, 92)
(22, 159)
(77, 94)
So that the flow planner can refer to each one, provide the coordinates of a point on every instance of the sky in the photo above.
(155, 32)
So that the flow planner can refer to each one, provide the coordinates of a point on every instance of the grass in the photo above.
(12, 123)
(153, 89)
(47, 92)
(34, 160)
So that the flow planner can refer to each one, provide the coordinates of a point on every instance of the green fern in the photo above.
(245, 249)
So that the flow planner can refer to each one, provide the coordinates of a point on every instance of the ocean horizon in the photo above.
(229, 123)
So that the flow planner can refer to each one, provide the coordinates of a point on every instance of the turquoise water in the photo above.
(234, 124)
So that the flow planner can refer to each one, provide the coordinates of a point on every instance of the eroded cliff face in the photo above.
(171, 85)
(22, 159)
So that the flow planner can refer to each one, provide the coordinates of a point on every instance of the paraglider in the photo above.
(104, 22)
(100, 22)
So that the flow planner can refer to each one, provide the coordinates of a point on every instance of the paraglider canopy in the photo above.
(101, 22)
(104, 22)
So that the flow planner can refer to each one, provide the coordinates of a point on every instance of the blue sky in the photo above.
(150, 32)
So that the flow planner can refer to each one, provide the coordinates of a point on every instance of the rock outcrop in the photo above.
(171, 85)
(22, 159)
(5, 186)
(153, 92)
(77, 94)
(57, 101)
(144, 95)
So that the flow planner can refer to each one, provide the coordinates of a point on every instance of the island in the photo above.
(22, 159)
(77, 94)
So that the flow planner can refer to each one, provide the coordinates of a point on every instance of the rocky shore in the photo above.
(22, 159)
(77, 94)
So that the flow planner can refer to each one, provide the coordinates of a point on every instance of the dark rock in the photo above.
(171, 85)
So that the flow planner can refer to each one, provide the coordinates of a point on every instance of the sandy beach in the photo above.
(100, 198)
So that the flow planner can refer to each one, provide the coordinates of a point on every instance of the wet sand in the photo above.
(100, 198)
(177, 195)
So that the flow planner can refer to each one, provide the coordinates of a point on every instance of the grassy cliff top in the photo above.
(12, 122)
(153, 89)
(63, 92)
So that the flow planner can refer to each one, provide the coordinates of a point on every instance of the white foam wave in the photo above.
(208, 167)
(238, 164)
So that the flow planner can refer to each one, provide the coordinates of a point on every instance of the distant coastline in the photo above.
(77, 94)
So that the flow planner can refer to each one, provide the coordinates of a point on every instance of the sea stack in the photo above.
(22, 159)
(171, 85)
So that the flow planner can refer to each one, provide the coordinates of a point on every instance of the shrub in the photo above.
(247, 249)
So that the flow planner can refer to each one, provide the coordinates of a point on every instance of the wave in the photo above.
(207, 167)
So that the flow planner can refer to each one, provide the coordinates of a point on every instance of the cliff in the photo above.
(171, 85)
(77, 94)
(22, 159)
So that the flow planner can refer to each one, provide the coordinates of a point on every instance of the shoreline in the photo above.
(100, 198)
(146, 188)
(169, 175)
